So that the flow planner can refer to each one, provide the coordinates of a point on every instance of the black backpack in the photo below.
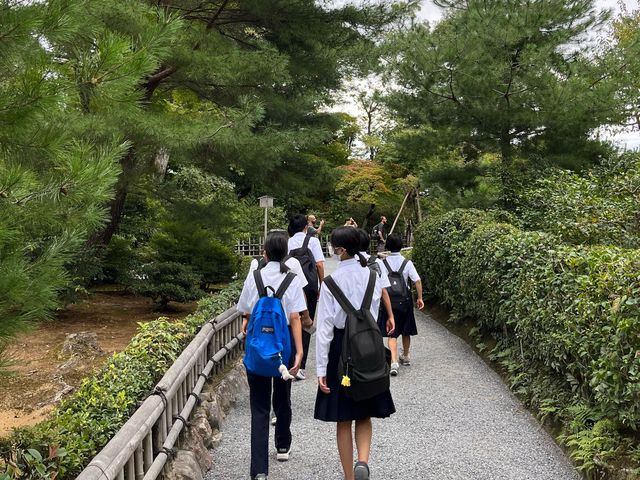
(399, 293)
(363, 366)
(305, 256)
(375, 232)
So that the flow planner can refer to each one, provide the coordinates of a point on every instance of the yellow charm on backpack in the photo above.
(346, 381)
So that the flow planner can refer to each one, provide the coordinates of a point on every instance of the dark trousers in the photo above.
(312, 302)
(261, 390)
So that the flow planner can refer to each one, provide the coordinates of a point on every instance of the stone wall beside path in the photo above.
(456, 420)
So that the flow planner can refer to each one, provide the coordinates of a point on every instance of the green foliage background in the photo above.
(566, 320)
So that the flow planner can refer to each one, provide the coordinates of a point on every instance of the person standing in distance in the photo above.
(308, 251)
(350, 222)
(380, 233)
(311, 226)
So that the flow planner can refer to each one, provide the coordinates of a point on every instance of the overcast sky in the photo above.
(433, 13)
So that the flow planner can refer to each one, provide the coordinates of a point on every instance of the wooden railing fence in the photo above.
(252, 247)
(140, 449)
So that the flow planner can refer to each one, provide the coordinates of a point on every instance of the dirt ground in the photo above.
(29, 392)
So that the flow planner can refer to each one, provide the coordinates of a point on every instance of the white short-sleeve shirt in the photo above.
(352, 279)
(292, 301)
(314, 245)
(292, 263)
(409, 272)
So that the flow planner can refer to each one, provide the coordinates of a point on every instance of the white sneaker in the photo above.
(282, 454)
(394, 369)
(300, 375)
(404, 360)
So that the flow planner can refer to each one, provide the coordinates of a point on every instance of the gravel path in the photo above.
(455, 420)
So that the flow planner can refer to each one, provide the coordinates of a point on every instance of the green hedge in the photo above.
(567, 321)
(87, 420)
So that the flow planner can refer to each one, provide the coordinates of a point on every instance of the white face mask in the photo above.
(338, 255)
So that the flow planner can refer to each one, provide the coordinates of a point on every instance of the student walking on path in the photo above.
(399, 271)
(271, 276)
(308, 251)
(362, 288)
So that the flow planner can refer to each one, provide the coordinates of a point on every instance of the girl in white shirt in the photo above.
(260, 387)
(405, 319)
(332, 403)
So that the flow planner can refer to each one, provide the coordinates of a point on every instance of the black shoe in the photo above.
(361, 471)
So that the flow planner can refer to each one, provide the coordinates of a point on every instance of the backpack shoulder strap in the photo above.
(262, 292)
(305, 243)
(404, 263)
(386, 264)
(284, 285)
(368, 294)
(338, 294)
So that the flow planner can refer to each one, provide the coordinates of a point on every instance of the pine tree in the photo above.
(510, 77)
(238, 86)
(52, 187)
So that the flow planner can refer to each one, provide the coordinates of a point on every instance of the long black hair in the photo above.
(276, 248)
(349, 239)
(365, 240)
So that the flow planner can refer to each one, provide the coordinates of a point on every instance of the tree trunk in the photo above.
(116, 207)
(506, 171)
(367, 217)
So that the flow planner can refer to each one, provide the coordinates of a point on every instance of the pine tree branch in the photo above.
(242, 42)
(154, 80)
(217, 14)
(62, 189)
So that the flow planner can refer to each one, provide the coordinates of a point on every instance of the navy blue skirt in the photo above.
(405, 322)
(336, 406)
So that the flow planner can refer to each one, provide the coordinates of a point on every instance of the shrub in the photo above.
(439, 244)
(567, 318)
(600, 207)
(168, 281)
(492, 256)
(196, 247)
(120, 261)
(579, 311)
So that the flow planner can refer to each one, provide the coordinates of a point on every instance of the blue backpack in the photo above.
(268, 343)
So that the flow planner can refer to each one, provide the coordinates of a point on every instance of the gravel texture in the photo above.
(455, 420)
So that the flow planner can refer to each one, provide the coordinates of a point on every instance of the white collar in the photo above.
(348, 262)
(272, 265)
(395, 254)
